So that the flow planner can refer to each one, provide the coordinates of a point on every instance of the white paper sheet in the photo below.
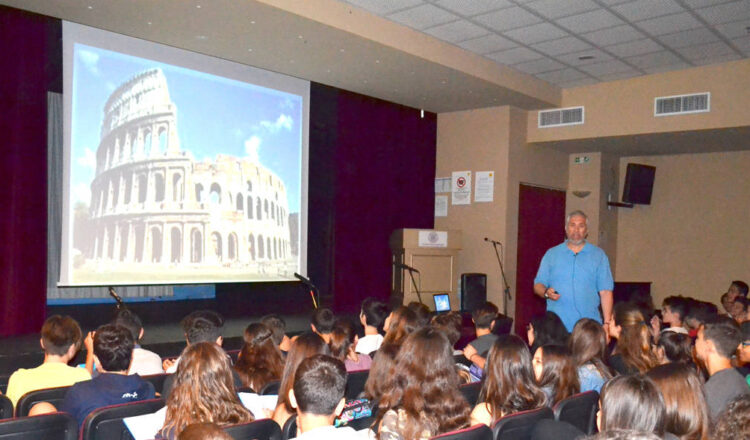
(485, 186)
(461, 188)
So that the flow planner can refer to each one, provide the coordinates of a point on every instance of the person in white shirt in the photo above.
(372, 317)
(318, 397)
(145, 362)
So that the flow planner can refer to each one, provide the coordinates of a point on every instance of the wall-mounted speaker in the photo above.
(639, 184)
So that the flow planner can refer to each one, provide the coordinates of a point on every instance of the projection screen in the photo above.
(179, 168)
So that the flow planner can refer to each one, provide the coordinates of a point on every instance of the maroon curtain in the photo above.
(32, 53)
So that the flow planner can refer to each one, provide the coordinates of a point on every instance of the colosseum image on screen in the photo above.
(157, 213)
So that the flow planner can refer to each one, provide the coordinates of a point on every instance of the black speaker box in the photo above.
(473, 290)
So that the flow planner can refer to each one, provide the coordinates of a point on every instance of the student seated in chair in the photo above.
(61, 339)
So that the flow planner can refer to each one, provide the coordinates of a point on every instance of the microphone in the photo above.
(492, 241)
(114, 295)
(304, 280)
(310, 286)
(406, 267)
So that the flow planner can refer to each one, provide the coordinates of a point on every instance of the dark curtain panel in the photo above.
(31, 49)
(372, 170)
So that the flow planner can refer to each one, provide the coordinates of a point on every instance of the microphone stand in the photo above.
(506, 287)
(416, 289)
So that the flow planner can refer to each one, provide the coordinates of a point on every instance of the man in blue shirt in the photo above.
(574, 277)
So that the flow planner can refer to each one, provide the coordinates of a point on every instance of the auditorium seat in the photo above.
(55, 426)
(52, 395)
(261, 429)
(233, 354)
(355, 383)
(271, 388)
(476, 432)
(6, 407)
(518, 426)
(157, 380)
(106, 423)
(290, 428)
(579, 410)
(470, 391)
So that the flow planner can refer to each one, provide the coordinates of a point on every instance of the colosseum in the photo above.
(154, 206)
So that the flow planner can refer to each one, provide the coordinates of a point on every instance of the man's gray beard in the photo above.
(577, 243)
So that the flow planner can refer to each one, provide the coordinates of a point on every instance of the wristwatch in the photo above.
(546, 295)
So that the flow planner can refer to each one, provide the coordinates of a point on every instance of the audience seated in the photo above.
(259, 361)
(698, 313)
(321, 322)
(423, 313)
(631, 402)
(372, 317)
(484, 318)
(675, 347)
(624, 434)
(717, 342)
(303, 347)
(318, 397)
(673, 312)
(449, 323)
(509, 384)
(686, 412)
(203, 391)
(145, 362)
(421, 398)
(343, 340)
(113, 354)
(734, 422)
(545, 329)
(278, 326)
(588, 345)
(399, 324)
(60, 339)
(555, 372)
(380, 371)
(633, 352)
(203, 431)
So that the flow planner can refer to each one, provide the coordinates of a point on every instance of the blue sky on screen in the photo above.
(215, 115)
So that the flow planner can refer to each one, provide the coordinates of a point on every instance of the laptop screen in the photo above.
(442, 302)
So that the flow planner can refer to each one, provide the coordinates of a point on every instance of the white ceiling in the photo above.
(578, 42)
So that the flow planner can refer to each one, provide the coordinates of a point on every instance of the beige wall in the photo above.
(492, 139)
(694, 237)
(626, 107)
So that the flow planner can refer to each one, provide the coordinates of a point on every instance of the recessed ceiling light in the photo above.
(198, 6)
(252, 22)
(201, 37)
(249, 50)
(328, 70)
(377, 61)
(299, 36)
(443, 82)
(586, 57)
(291, 61)
(91, 7)
(341, 50)
(149, 23)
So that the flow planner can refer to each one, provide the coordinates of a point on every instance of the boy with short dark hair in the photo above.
(113, 353)
(199, 326)
(372, 316)
(60, 340)
(145, 362)
(278, 327)
(484, 318)
(322, 322)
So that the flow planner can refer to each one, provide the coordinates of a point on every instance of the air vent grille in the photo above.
(677, 105)
(560, 117)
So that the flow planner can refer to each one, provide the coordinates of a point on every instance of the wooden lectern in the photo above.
(435, 255)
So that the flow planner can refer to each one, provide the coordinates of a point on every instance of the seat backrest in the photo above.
(518, 426)
(355, 383)
(470, 391)
(290, 428)
(157, 380)
(476, 432)
(52, 395)
(579, 410)
(261, 429)
(106, 423)
(271, 388)
(55, 426)
(6, 407)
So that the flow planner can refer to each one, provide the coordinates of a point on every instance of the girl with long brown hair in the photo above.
(422, 399)
(684, 399)
(343, 342)
(203, 391)
(306, 345)
(588, 345)
(509, 384)
(634, 352)
(556, 372)
(399, 324)
(259, 361)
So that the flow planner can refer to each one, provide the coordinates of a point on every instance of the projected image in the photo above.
(178, 176)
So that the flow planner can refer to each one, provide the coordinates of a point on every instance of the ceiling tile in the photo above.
(564, 75)
(539, 66)
(667, 67)
(643, 9)
(561, 46)
(487, 44)
(669, 24)
(705, 50)
(633, 48)
(506, 19)
(656, 59)
(460, 30)
(689, 38)
(382, 7)
(536, 33)
(573, 59)
(703, 3)
(620, 75)
(606, 68)
(514, 56)
(557, 8)
(422, 17)
(742, 44)
(614, 35)
(473, 7)
(577, 83)
(590, 21)
(735, 29)
(726, 12)
(718, 59)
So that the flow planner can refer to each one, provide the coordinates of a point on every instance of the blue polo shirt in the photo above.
(578, 278)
